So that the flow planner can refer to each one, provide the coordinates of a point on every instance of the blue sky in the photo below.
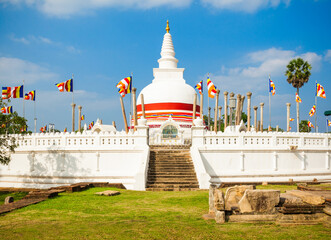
(239, 43)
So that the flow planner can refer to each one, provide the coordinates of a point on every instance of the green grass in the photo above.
(15, 195)
(137, 215)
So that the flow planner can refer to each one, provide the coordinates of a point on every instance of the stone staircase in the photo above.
(171, 169)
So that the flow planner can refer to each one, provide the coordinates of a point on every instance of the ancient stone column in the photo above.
(241, 107)
(237, 108)
(219, 118)
(255, 117)
(135, 120)
(73, 105)
(288, 117)
(249, 96)
(79, 118)
(142, 105)
(215, 113)
(114, 124)
(231, 110)
(225, 109)
(261, 116)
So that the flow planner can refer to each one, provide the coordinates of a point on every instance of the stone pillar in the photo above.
(241, 107)
(142, 105)
(231, 110)
(219, 118)
(73, 105)
(255, 117)
(237, 109)
(225, 109)
(114, 124)
(249, 96)
(201, 106)
(261, 116)
(215, 113)
(135, 120)
(288, 117)
(79, 118)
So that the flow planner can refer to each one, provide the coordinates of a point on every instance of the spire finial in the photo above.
(167, 28)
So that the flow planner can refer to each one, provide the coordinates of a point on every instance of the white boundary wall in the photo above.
(256, 156)
(48, 160)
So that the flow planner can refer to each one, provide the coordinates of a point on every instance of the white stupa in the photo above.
(168, 98)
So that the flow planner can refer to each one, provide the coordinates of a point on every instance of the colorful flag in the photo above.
(320, 91)
(91, 125)
(66, 86)
(3, 125)
(328, 122)
(211, 88)
(43, 129)
(12, 92)
(272, 87)
(312, 111)
(199, 86)
(23, 129)
(30, 96)
(82, 117)
(291, 119)
(310, 124)
(65, 130)
(125, 86)
(297, 98)
(7, 109)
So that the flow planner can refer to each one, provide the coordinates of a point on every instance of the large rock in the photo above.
(234, 194)
(108, 193)
(307, 197)
(259, 201)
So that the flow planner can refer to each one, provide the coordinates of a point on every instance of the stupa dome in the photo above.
(168, 94)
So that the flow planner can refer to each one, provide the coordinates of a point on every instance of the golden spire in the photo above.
(167, 28)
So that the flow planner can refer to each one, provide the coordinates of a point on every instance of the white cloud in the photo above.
(249, 6)
(43, 40)
(327, 56)
(66, 8)
(15, 70)
(258, 66)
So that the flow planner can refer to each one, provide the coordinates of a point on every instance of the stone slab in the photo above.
(308, 197)
(252, 218)
(259, 201)
(108, 193)
(220, 217)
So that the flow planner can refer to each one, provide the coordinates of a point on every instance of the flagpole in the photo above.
(35, 118)
(316, 108)
(72, 87)
(131, 99)
(23, 101)
(269, 105)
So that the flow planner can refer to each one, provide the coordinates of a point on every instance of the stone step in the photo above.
(173, 181)
(172, 174)
(167, 186)
(171, 189)
(177, 165)
(165, 178)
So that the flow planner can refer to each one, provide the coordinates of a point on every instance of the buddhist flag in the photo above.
(90, 126)
(125, 86)
(312, 111)
(297, 98)
(7, 109)
(43, 129)
(12, 92)
(65, 130)
(272, 87)
(320, 91)
(199, 86)
(328, 122)
(30, 96)
(291, 119)
(310, 124)
(23, 129)
(67, 86)
(211, 88)
(82, 117)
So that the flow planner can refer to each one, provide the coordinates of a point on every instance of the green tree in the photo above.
(9, 124)
(298, 73)
(303, 126)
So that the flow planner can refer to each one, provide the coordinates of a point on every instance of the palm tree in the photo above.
(298, 73)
